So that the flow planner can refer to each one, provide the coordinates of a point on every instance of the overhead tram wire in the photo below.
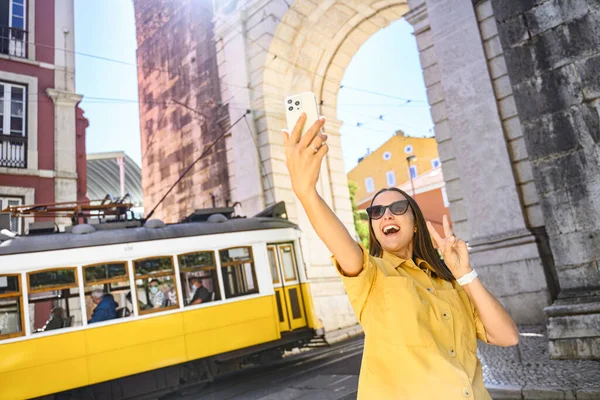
(262, 165)
(204, 153)
(380, 118)
(325, 78)
(383, 95)
(275, 56)
(371, 118)
(250, 42)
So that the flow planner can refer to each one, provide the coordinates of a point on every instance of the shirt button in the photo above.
(466, 392)
(430, 290)
(446, 314)
(452, 353)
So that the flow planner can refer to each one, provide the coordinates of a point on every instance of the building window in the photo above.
(5, 202)
(11, 307)
(387, 155)
(369, 185)
(155, 283)
(239, 276)
(13, 141)
(111, 280)
(54, 301)
(199, 281)
(413, 171)
(13, 36)
(435, 163)
(391, 178)
(408, 149)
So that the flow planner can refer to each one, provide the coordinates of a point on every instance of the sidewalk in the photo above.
(526, 372)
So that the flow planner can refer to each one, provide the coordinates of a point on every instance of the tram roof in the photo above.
(62, 241)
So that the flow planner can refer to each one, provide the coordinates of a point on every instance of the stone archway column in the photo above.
(480, 182)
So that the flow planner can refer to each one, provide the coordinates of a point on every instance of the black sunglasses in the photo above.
(397, 208)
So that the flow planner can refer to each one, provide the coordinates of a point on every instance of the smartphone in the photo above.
(301, 103)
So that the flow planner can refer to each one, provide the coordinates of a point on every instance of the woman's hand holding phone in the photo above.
(304, 154)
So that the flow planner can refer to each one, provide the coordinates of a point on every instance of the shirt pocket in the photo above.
(406, 316)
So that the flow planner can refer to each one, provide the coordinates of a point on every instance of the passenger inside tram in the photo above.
(200, 294)
(57, 320)
(54, 292)
(157, 297)
(106, 307)
(170, 295)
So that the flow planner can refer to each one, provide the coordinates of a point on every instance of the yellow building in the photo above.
(388, 166)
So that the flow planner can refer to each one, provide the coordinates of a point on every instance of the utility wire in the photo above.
(262, 165)
(380, 117)
(204, 153)
(389, 96)
(251, 42)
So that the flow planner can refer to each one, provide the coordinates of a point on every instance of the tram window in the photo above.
(199, 280)
(239, 276)
(155, 284)
(51, 279)
(113, 280)
(11, 307)
(288, 262)
(54, 300)
(273, 264)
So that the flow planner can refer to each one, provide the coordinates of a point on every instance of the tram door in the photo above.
(288, 293)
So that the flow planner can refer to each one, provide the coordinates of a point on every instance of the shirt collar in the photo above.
(397, 261)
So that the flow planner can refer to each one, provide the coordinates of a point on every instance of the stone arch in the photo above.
(310, 50)
(269, 49)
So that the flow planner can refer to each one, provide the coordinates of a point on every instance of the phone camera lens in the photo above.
(289, 101)
(297, 103)
(291, 108)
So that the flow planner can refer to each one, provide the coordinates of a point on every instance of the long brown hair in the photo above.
(422, 243)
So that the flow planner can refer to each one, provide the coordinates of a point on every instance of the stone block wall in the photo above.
(508, 113)
(180, 111)
(552, 50)
(513, 133)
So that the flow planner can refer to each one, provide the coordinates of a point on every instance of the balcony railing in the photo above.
(13, 41)
(13, 151)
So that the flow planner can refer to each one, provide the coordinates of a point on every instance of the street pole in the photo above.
(412, 185)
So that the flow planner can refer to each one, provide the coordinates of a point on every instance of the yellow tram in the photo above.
(258, 303)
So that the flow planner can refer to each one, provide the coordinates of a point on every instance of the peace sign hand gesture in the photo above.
(454, 250)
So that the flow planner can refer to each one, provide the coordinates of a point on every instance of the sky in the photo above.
(373, 102)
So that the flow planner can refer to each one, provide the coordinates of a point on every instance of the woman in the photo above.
(420, 324)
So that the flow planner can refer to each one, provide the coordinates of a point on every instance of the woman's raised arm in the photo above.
(304, 156)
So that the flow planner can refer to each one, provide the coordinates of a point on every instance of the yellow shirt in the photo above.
(420, 333)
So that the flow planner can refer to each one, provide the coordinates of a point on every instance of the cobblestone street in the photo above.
(527, 368)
